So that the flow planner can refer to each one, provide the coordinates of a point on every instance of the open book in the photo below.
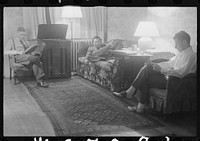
(30, 49)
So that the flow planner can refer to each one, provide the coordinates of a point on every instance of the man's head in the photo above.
(96, 40)
(182, 40)
(21, 33)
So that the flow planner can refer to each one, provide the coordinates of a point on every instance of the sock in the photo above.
(130, 92)
(140, 106)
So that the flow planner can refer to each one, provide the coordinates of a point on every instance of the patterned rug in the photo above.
(77, 107)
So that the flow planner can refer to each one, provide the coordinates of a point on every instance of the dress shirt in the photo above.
(180, 65)
(18, 45)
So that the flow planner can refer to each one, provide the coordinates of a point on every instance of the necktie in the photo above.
(25, 46)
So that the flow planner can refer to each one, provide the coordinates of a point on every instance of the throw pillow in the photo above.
(82, 50)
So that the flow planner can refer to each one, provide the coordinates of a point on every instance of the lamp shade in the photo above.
(71, 12)
(146, 29)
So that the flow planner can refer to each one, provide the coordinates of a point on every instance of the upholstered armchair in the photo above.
(179, 96)
(17, 69)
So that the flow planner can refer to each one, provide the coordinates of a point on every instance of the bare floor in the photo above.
(23, 117)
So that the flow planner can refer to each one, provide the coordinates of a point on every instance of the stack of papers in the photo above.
(127, 52)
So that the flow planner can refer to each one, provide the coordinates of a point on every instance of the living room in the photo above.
(79, 102)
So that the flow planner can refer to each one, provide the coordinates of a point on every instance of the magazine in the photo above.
(30, 49)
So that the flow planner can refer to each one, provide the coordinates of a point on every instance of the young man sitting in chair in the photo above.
(153, 75)
(19, 44)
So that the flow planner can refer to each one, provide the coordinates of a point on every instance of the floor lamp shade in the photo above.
(71, 12)
(146, 30)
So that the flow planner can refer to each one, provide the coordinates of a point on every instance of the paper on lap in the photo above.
(101, 51)
(30, 49)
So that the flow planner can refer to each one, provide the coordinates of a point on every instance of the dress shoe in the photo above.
(122, 94)
(42, 84)
(135, 109)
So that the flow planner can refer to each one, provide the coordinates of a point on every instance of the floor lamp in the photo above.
(72, 13)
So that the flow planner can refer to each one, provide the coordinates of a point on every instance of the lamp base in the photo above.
(145, 43)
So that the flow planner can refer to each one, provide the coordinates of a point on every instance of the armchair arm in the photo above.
(181, 92)
(11, 58)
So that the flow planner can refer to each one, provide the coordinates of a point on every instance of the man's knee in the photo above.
(147, 68)
(34, 59)
(43, 44)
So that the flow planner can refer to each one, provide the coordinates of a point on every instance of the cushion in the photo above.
(82, 50)
(105, 65)
(116, 44)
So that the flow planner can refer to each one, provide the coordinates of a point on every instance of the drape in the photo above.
(32, 17)
(93, 23)
(55, 15)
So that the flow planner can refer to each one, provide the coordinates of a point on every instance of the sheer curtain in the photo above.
(55, 16)
(93, 22)
(32, 17)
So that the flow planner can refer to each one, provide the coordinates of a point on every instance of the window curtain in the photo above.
(32, 17)
(93, 23)
(55, 15)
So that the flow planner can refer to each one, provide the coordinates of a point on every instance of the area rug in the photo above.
(77, 107)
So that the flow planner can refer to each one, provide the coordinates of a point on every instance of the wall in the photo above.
(172, 20)
(13, 18)
(123, 21)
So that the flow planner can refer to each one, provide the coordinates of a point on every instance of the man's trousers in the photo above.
(34, 60)
(148, 78)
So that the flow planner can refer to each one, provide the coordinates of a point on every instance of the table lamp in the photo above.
(146, 30)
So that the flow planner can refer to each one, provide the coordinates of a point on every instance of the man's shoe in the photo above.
(135, 109)
(42, 84)
(122, 94)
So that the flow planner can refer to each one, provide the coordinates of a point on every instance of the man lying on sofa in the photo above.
(19, 45)
(153, 75)
(98, 53)
(98, 50)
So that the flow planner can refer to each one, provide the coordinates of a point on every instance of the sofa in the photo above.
(106, 73)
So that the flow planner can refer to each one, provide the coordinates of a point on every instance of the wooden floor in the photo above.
(23, 117)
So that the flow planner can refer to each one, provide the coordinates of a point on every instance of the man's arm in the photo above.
(89, 52)
(189, 67)
(102, 50)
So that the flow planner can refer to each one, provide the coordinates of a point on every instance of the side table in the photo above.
(130, 64)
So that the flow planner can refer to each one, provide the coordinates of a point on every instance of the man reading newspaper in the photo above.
(27, 54)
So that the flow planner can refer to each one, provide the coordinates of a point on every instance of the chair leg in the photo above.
(10, 73)
(15, 80)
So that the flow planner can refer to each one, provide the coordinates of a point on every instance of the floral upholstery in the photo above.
(107, 72)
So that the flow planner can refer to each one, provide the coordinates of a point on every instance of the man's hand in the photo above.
(149, 62)
(36, 54)
(110, 45)
(156, 67)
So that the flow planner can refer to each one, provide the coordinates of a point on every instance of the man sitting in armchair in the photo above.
(153, 75)
(19, 45)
